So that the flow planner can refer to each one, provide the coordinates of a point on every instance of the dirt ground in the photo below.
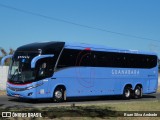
(2, 92)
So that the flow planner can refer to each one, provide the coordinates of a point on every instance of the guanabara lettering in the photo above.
(125, 72)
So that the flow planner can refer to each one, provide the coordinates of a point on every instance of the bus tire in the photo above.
(127, 93)
(137, 92)
(58, 95)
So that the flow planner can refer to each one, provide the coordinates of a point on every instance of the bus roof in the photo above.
(45, 46)
(103, 48)
(81, 46)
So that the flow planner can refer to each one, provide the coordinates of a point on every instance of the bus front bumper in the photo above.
(21, 94)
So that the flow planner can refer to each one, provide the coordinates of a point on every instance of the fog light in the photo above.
(29, 94)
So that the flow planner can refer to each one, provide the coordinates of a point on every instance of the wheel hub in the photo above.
(58, 94)
(137, 92)
(127, 93)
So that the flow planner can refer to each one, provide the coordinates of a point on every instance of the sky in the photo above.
(125, 24)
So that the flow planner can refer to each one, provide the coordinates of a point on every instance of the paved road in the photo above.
(6, 101)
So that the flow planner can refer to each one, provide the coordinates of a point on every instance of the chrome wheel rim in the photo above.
(127, 93)
(58, 94)
(137, 92)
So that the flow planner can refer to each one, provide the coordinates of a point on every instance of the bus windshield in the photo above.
(20, 68)
(20, 72)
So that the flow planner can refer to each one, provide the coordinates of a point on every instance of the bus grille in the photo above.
(17, 89)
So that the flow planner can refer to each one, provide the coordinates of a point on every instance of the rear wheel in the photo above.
(58, 95)
(127, 93)
(137, 92)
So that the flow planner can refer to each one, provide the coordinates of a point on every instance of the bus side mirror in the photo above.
(4, 58)
(35, 59)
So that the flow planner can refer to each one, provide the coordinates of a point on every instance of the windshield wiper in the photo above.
(14, 74)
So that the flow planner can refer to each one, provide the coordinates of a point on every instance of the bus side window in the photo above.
(85, 60)
(68, 58)
(50, 68)
(42, 70)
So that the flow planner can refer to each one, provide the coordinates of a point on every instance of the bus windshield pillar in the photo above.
(35, 59)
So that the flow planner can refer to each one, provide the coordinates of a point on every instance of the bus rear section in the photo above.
(91, 72)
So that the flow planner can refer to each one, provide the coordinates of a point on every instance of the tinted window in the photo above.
(124, 60)
(85, 59)
(44, 68)
(68, 58)
(72, 57)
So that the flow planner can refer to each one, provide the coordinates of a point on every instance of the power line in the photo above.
(76, 24)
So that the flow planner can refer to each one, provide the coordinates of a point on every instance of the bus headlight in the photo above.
(30, 87)
(34, 86)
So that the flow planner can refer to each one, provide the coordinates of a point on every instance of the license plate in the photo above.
(17, 95)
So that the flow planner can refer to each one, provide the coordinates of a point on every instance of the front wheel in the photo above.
(127, 93)
(58, 95)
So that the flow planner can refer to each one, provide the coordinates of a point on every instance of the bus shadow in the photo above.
(108, 98)
(149, 96)
(83, 99)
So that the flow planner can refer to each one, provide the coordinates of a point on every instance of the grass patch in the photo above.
(90, 112)
(137, 106)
